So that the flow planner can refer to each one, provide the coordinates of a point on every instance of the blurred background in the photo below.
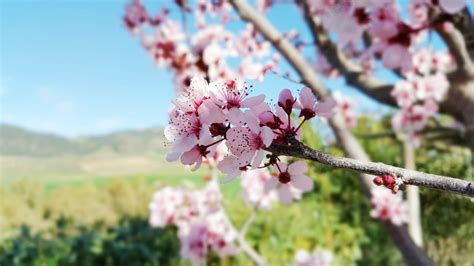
(82, 151)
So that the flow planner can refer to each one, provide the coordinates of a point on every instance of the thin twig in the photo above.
(408, 177)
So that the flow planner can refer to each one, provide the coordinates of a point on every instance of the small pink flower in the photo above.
(247, 144)
(310, 106)
(389, 206)
(230, 166)
(290, 181)
(452, 6)
(234, 94)
(317, 258)
(286, 101)
(396, 56)
(253, 188)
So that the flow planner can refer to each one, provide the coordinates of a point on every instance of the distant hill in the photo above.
(18, 141)
(52, 158)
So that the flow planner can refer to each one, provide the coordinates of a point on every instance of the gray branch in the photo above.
(408, 177)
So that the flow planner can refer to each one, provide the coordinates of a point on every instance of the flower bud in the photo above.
(378, 180)
(286, 101)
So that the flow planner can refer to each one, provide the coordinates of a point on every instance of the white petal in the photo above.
(285, 195)
(257, 160)
(302, 183)
(267, 136)
(298, 168)
(271, 184)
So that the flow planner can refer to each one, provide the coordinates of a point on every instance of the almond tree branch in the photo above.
(455, 41)
(406, 176)
(412, 254)
(353, 72)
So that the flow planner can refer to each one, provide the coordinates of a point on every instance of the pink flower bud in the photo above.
(286, 101)
(378, 180)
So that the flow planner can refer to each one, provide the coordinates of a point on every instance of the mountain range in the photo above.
(28, 154)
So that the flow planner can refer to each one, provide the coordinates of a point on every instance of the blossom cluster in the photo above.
(420, 92)
(316, 258)
(208, 114)
(393, 38)
(388, 206)
(206, 52)
(348, 109)
(202, 224)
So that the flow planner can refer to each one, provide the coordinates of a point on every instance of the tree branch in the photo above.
(406, 176)
(353, 72)
(412, 254)
(455, 41)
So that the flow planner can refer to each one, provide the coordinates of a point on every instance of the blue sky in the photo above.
(71, 68)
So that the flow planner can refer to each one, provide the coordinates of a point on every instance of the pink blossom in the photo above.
(135, 14)
(389, 206)
(234, 94)
(452, 6)
(164, 206)
(317, 258)
(290, 181)
(286, 100)
(346, 23)
(396, 56)
(248, 144)
(253, 188)
(203, 238)
(230, 166)
(347, 107)
(310, 106)
(383, 22)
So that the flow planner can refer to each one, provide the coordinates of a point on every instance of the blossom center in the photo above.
(284, 177)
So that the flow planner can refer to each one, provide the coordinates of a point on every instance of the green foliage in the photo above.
(131, 242)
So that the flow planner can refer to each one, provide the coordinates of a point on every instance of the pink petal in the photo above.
(236, 140)
(302, 183)
(252, 101)
(228, 164)
(210, 113)
(261, 108)
(230, 176)
(236, 117)
(198, 164)
(191, 156)
(392, 55)
(257, 160)
(267, 136)
(452, 6)
(298, 168)
(307, 99)
(285, 95)
(325, 108)
(285, 195)
(186, 143)
(173, 155)
(252, 122)
(271, 184)
(245, 158)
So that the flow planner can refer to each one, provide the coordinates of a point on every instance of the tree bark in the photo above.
(413, 196)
